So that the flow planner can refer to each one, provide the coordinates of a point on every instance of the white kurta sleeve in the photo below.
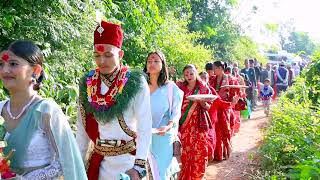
(82, 137)
(143, 115)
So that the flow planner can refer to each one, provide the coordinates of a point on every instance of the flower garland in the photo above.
(104, 102)
(5, 171)
(116, 100)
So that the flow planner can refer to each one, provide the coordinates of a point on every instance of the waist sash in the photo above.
(92, 128)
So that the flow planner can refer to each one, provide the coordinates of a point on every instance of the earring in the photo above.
(33, 78)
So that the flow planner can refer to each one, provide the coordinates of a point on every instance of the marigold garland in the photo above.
(116, 103)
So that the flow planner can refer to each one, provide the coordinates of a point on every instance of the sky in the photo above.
(304, 13)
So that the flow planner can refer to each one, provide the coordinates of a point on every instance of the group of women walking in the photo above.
(204, 128)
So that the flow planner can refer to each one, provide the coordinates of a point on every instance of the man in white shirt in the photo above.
(114, 112)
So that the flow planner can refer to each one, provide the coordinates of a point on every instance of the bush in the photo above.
(292, 142)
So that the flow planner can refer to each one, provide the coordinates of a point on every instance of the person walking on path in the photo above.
(282, 78)
(114, 112)
(266, 93)
(194, 127)
(166, 102)
(250, 72)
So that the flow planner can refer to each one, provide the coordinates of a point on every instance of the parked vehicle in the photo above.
(276, 58)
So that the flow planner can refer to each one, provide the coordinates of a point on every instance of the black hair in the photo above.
(209, 66)
(164, 75)
(221, 64)
(228, 69)
(30, 52)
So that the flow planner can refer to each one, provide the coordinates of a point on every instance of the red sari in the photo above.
(237, 115)
(218, 103)
(225, 117)
(194, 140)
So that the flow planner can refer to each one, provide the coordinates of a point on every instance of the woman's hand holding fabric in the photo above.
(162, 130)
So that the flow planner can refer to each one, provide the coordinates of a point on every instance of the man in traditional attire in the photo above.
(114, 112)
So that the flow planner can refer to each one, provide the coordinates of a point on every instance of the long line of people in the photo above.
(138, 127)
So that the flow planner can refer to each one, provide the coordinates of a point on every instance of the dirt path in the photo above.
(243, 159)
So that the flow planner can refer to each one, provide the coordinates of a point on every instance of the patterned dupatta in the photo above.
(223, 92)
(189, 108)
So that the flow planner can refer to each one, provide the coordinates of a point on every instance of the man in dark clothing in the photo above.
(267, 73)
(282, 78)
(250, 72)
(257, 69)
(291, 75)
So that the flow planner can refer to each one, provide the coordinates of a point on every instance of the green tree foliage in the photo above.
(272, 27)
(299, 41)
(150, 28)
(246, 48)
(180, 45)
(284, 31)
(212, 18)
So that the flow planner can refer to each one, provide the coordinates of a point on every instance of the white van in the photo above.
(276, 58)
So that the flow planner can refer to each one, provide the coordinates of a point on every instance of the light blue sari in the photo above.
(68, 152)
(162, 146)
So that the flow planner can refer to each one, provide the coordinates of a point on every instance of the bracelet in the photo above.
(140, 162)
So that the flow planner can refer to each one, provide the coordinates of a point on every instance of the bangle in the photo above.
(140, 162)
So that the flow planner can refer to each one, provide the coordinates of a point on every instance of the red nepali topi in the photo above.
(108, 33)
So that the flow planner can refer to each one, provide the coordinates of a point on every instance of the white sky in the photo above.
(305, 14)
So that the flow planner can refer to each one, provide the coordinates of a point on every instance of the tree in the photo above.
(300, 41)
(246, 48)
(151, 25)
(284, 31)
(212, 18)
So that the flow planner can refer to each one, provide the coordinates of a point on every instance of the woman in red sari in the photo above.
(213, 111)
(225, 115)
(193, 127)
(237, 79)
